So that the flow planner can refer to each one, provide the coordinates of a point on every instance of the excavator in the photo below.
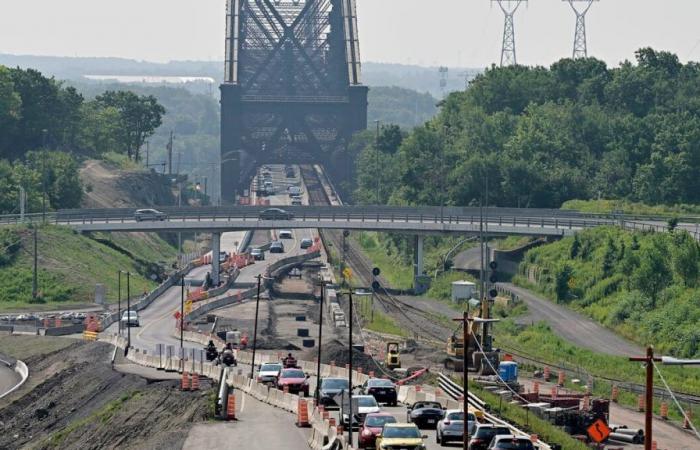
(478, 352)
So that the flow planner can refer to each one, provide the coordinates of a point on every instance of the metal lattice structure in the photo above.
(509, 8)
(292, 89)
(580, 38)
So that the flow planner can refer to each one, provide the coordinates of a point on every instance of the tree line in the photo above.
(537, 137)
(46, 127)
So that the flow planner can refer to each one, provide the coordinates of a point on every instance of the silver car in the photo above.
(451, 428)
(142, 215)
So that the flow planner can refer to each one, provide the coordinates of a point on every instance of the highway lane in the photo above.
(158, 322)
(259, 426)
(8, 378)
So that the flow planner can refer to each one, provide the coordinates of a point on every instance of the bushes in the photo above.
(642, 284)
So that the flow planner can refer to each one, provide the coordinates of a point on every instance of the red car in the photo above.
(372, 427)
(295, 379)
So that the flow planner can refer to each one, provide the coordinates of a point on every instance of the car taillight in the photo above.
(259, 379)
(447, 422)
(366, 433)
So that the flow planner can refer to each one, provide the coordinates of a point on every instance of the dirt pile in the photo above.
(82, 403)
(338, 352)
(108, 187)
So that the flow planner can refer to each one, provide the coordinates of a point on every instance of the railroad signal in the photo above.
(493, 276)
(376, 271)
(375, 285)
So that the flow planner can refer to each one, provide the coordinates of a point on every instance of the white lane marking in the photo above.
(243, 396)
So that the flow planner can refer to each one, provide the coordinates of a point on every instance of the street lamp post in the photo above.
(255, 327)
(350, 413)
(128, 313)
(119, 302)
(182, 320)
(320, 339)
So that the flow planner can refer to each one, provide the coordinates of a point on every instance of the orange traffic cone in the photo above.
(231, 407)
(303, 413)
(185, 382)
(195, 382)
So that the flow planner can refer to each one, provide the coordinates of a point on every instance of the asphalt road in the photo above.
(574, 327)
(259, 426)
(8, 378)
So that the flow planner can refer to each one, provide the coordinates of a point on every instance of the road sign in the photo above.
(177, 315)
(599, 431)
(347, 273)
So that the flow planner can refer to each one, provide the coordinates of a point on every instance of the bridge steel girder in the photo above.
(292, 89)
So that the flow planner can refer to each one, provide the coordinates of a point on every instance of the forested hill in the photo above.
(541, 136)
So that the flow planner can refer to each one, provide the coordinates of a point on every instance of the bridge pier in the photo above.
(215, 264)
(420, 282)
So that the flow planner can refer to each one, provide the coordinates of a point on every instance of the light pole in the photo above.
(182, 320)
(255, 328)
(119, 302)
(320, 340)
(376, 151)
(35, 279)
(128, 313)
(350, 413)
(44, 134)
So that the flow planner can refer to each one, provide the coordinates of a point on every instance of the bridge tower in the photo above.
(580, 38)
(509, 8)
(292, 89)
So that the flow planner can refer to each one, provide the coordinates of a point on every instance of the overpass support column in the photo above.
(419, 284)
(215, 250)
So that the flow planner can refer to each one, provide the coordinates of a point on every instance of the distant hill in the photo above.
(421, 79)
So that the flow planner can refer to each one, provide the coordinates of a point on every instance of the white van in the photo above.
(294, 191)
(286, 234)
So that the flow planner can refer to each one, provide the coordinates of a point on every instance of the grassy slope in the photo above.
(627, 207)
(69, 267)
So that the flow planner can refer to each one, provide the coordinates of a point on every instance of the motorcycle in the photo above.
(289, 363)
(228, 359)
(211, 354)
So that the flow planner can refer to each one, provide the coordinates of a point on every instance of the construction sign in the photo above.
(599, 431)
(188, 306)
(347, 273)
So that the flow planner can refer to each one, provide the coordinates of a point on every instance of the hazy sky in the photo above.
(426, 32)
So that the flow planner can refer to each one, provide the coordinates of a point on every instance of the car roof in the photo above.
(363, 396)
(380, 414)
(401, 425)
(510, 437)
(334, 378)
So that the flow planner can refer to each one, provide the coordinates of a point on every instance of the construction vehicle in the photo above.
(393, 357)
(476, 358)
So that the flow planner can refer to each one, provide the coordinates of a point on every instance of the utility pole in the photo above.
(148, 148)
(376, 152)
(182, 321)
(35, 281)
(580, 38)
(128, 313)
(509, 8)
(649, 360)
(350, 414)
(465, 382)
(320, 336)
(169, 147)
(119, 301)
(22, 203)
(255, 329)
(44, 134)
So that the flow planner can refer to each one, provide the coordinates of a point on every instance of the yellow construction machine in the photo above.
(393, 356)
(480, 354)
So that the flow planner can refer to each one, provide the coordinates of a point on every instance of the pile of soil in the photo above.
(82, 403)
(339, 352)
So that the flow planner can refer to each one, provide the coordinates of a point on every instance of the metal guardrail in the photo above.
(455, 391)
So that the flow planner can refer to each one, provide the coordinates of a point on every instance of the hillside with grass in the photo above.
(70, 264)
(643, 285)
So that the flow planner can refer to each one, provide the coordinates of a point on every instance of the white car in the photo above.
(366, 404)
(451, 428)
(268, 373)
(510, 442)
(130, 319)
(286, 234)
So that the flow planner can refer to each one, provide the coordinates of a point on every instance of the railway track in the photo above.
(422, 323)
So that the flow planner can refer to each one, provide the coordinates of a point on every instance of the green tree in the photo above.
(141, 116)
(685, 257)
(653, 273)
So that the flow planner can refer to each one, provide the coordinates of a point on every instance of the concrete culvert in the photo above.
(308, 343)
(301, 318)
(303, 332)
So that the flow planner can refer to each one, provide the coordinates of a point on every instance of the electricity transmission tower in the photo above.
(580, 43)
(509, 7)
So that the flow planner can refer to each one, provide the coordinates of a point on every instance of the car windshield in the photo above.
(515, 444)
(379, 421)
(366, 402)
(380, 383)
(334, 384)
(455, 416)
(427, 405)
(401, 433)
(293, 374)
(270, 368)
